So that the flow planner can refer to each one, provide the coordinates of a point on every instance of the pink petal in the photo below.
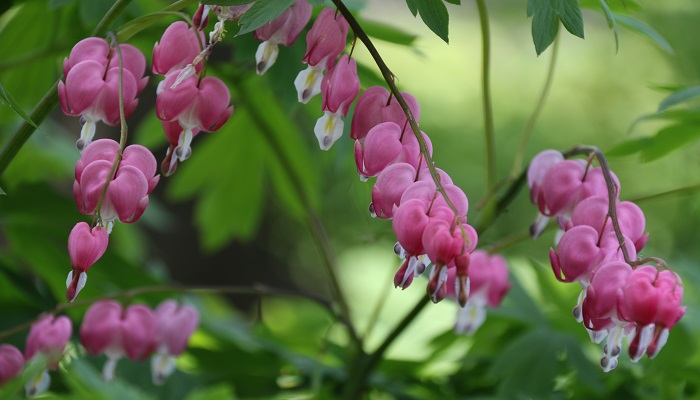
(86, 246)
(101, 326)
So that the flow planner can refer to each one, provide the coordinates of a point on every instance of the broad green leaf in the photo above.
(612, 24)
(640, 27)
(12, 103)
(262, 12)
(545, 23)
(453, 1)
(54, 4)
(91, 12)
(546, 15)
(387, 33)
(688, 116)
(669, 139)
(412, 7)
(528, 365)
(629, 147)
(570, 14)
(680, 96)
(227, 2)
(434, 14)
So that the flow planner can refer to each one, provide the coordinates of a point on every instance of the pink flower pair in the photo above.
(91, 87)
(339, 88)
(558, 185)
(126, 197)
(324, 43)
(283, 30)
(191, 106)
(136, 332)
(488, 284)
(644, 303)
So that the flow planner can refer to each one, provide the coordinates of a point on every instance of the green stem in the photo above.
(256, 290)
(363, 364)
(313, 221)
(489, 127)
(520, 153)
(673, 192)
(389, 79)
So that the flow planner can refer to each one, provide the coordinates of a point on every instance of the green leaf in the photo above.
(54, 4)
(545, 24)
(679, 97)
(435, 15)
(7, 98)
(453, 1)
(640, 27)
(528, 365)
(570, 14)
(546, 15)
(91, 12)
(262, 12)
(2, 192)
(227, 2)
(412, 7)
(629, 147)
(387, 33)
(669, 139)
(612, 24)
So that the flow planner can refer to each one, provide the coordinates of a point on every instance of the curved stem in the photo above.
(489, 128)
(654, 196)
(519, 154)
(363, 364)
(612, 193)
(389, 78)
(256, 290)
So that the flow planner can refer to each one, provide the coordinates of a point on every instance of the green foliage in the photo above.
(262, 12)
(434, 14)
(12, 103)
(546, 16)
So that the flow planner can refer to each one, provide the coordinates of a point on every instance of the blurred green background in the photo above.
(233, 213)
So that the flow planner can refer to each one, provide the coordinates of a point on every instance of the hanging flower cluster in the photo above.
(136, 332)
(601, 237)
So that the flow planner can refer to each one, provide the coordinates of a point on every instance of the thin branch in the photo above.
(389, 79)
(612, 193)
(256, 290)
(489, 127)
(538, 109)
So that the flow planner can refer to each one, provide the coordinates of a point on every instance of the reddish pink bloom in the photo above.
(282, 30)
(375, 105)
(602, 308)
(426, 191)
(127, 194)
(85, 247)
(11, 363)
(117, 332)
(200, 19)
(325, 41)
(593, 212)
(488, 284)
(196, 105)
(175, 326)
(391, 183)
(652, 299)
(177, 48)
(47, 337)
(386, 144)
(539, 166)
(339, 87)
(91, 87)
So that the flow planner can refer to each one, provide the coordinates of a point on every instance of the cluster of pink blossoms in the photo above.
(136, 332)
(619, 297)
